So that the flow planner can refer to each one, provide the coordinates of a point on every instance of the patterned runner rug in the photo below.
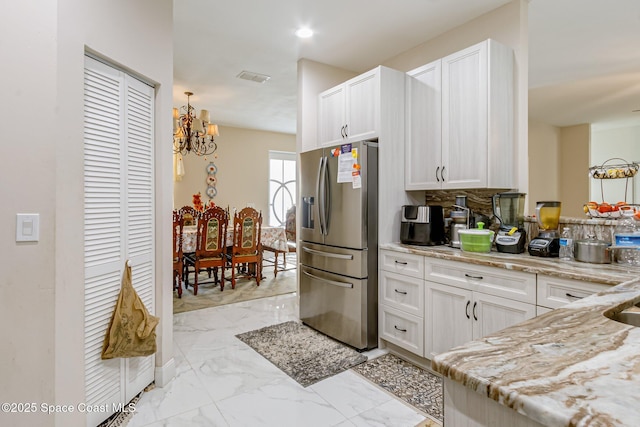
(304, 354)
(419, 388)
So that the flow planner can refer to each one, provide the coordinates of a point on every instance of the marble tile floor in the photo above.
(220, 381)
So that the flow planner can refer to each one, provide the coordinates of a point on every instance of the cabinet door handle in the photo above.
(401, 292)
(342, 131)
(473, 277)
(401, 262)
(466, 309)
(399, 329)
(573, 296)
(442, 174)
(437, 177)
(475, 304)
(346, 131)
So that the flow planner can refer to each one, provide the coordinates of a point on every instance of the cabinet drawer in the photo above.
(515, 285)
(402, 263)
(402, 292)
(554, 292)
(402, 329)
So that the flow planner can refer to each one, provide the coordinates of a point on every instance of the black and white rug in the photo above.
(304, 354)
(414, 385)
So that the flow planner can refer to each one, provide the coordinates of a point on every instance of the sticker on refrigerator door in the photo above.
(345, 166)
(356, 179)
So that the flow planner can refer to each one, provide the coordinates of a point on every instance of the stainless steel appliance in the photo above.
(459, 221)
(547, 244)
(509, 209)
(339, 242)
(422, 225)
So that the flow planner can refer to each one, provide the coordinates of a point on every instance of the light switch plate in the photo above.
(27, 227)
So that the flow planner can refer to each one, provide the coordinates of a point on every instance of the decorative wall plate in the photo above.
(211, 180)
(211, 192)
(212, 168)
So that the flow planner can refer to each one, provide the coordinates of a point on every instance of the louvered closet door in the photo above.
(118, 223)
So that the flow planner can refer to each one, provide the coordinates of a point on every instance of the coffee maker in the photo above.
(547, 244)
(422, 225)
(509, 209)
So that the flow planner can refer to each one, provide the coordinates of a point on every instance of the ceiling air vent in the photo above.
(254, 77)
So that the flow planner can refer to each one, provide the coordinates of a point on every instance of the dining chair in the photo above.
(211, 243)
(290, 232)
(190, 215)
(246, 248)
(178, 264)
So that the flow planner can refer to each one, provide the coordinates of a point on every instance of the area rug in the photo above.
(303, 353)
(209, 294)
(418, 387)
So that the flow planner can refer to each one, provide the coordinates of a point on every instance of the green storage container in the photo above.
(476, 239)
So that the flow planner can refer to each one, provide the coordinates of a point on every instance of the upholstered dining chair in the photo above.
(211, 246)
(190, 215)
(178, 264)
(246, 248)
(290, 231)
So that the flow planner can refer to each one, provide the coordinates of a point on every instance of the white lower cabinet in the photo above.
(464, 302)
(554, 292)
(455, 316)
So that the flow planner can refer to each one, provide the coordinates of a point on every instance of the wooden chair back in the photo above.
(190, 215)
(247, 225)
(212, 233)
(178, 224)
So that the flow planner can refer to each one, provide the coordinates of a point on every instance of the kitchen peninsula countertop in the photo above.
(569, 367)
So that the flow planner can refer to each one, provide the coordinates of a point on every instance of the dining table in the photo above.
(273, 237)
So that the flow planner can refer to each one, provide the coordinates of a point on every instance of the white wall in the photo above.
(544, 161)
(42, 283)
(610, 143)
(243, 169)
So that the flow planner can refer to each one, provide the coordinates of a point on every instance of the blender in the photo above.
(547, 244)
(509, 209)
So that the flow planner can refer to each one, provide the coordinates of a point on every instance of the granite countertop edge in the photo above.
(570, 366)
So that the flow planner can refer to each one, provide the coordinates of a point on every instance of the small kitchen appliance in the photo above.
(422, 225)
(459, 221)
(547, 244)
(509, 209)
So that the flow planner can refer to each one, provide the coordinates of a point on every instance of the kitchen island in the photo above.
(572, 366)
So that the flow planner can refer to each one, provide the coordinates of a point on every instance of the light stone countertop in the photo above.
(569, 367)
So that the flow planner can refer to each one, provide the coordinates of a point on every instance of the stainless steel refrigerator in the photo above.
(339, 242)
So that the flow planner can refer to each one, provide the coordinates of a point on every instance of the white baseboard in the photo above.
(164, 374)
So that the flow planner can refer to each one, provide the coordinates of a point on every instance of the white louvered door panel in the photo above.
(118, 223)
(139, 217)
(103, 228)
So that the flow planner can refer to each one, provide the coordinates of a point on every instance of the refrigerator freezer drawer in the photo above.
(338, 306)
(342, 261)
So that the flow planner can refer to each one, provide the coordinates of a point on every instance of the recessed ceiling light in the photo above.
(304, 32)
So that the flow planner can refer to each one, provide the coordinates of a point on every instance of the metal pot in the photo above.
(592, 250)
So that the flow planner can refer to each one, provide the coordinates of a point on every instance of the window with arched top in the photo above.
(282, 186)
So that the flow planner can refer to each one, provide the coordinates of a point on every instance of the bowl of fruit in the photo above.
(608, 210)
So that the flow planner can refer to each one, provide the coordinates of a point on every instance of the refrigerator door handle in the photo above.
(331, 282)
(326, 203)
(328, 254)
(320, 193)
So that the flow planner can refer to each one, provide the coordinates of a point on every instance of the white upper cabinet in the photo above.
(460, 134)
(423, 126)
(351, 111)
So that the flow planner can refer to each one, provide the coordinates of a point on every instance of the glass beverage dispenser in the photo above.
(509, 209)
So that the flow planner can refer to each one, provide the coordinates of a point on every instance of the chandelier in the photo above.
(193, 134)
